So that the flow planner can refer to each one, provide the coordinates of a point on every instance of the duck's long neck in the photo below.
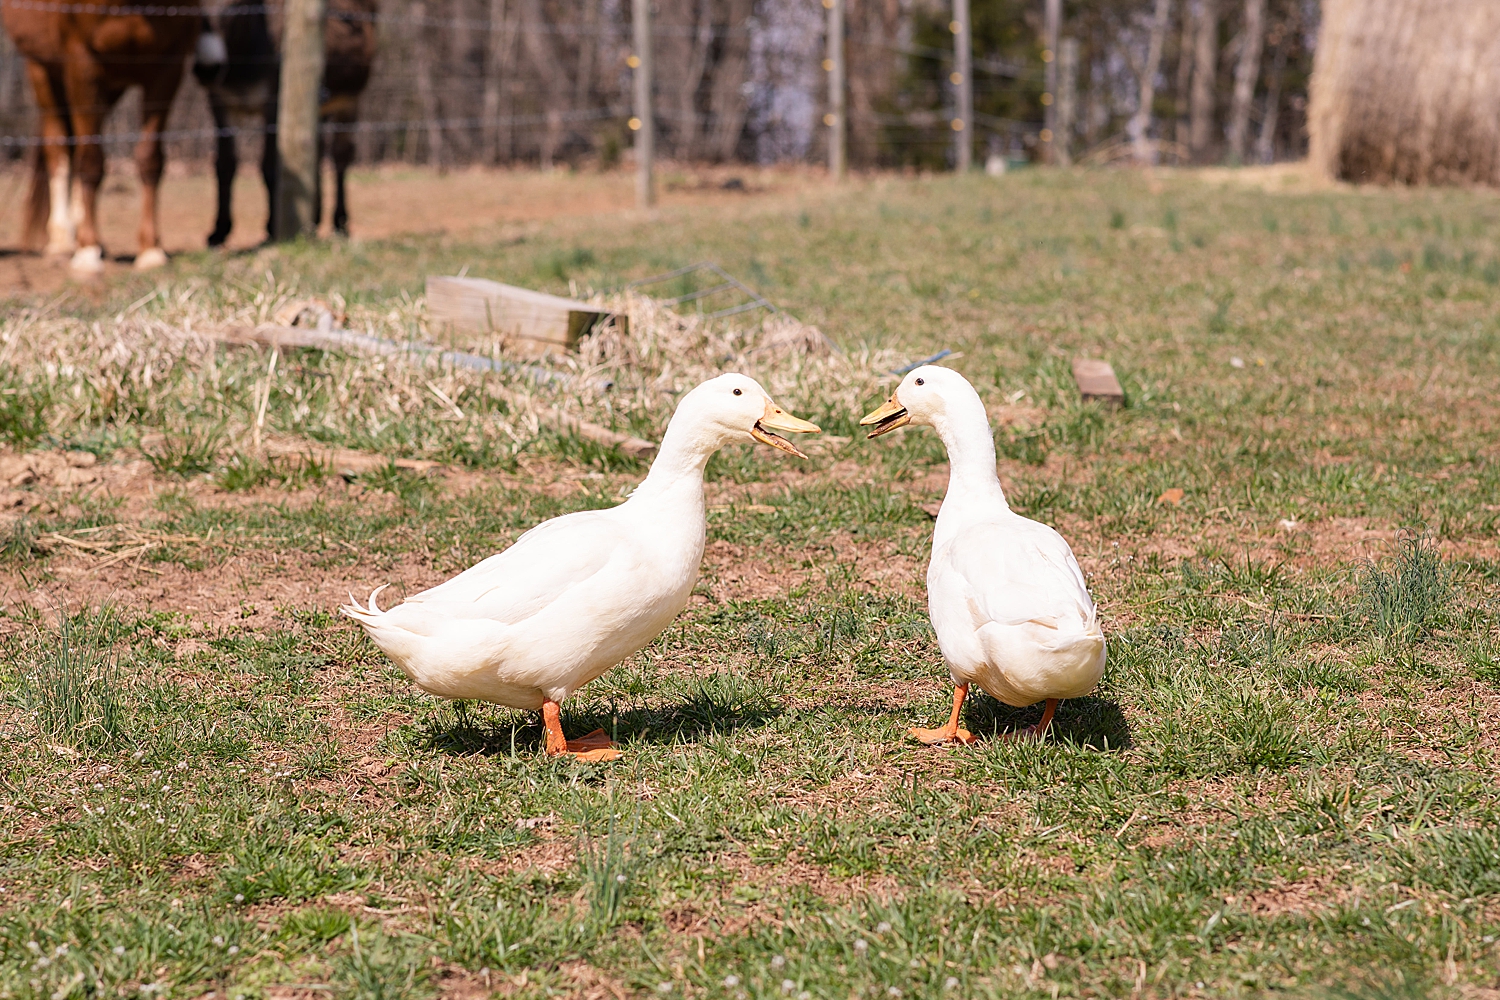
(677, 472)
(965, 430)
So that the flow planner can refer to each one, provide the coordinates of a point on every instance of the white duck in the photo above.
(577, 594)
(1007, 599)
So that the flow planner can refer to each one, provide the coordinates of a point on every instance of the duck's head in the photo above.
(927, 396)
(734, 407)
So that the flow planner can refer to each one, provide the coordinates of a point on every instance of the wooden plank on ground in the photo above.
(534, 322)
(341, 461)
(1096, 380)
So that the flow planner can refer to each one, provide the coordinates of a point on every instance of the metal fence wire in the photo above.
(548, 82)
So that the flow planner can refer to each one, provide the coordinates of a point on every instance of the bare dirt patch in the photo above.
(385, 202)
(1304, 896)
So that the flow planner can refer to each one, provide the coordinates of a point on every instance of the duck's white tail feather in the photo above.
(445, 655)
(363, 614)
(1029, 661)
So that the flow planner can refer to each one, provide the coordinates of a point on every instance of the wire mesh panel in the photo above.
(548, 82)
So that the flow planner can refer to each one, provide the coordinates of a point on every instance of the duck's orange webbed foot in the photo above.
(596, 746)
(951, 733)
(932, 737)
(1039, 730)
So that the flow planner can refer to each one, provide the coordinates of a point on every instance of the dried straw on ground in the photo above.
(162, 368)
(1407, 91)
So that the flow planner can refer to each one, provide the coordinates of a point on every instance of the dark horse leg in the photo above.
(226, 164)
(342, 141)
(270, 160)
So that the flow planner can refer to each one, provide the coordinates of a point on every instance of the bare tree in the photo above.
(499, 57)
(1246, 72)
(426, 96)
(1185, 71)
(1265, 146)
(1140, 122)
(1205, 72)
(548, 65)
(682, 52)
(726, 100)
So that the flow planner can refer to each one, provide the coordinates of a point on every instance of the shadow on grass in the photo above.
(1088, 721)
(699, 715)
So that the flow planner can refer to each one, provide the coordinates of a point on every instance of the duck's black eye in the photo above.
(739, 392)
(920, 382)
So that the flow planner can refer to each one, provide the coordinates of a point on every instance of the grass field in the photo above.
(213, 787)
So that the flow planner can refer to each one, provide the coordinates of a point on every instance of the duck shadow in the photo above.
(1092, 722)
(699, 716)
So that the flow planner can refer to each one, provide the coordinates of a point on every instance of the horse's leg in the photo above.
(320, 145)
(156, 101)
(226, 163)
(343, 155)
(270, 162)
(57, 156)
(90, 101)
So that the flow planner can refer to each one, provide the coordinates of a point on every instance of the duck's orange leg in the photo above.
(1040, 729)
(595, 746)
(950, 732)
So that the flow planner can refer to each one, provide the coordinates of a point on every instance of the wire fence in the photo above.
(548, 82)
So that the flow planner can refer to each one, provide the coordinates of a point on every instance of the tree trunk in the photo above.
(687, 93)
(1205, 71)
(1184, 74)
(1246, 72)
(551, 72)
(499, 45)
(1265, 146)
(588, 44)
(871, 73)
(726, 100)
(426, 97)
(1140, 122)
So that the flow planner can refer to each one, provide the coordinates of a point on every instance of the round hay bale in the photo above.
(1407, 91)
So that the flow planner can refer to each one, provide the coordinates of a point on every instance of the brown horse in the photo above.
(81, 60)
(239, 64)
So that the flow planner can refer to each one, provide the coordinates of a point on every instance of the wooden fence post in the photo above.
(296, 209)
(837, 117)
(963, 80)
(644, 122)
(1052, 26)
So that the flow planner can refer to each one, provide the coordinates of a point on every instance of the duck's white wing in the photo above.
(513, 585)
(1019, 571)
(1012, 613)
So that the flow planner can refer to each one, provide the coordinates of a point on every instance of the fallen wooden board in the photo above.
(342, 461)
(534, 322)
(1096, 380)
(278, 336)
(272, 335)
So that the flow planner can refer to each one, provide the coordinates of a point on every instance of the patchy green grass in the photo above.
(1287, 780)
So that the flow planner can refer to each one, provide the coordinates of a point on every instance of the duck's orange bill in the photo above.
(888, 417)
(777, 419)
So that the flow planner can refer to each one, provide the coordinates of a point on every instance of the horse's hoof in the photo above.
(60, 247)
(150, 258)
(88, 260)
